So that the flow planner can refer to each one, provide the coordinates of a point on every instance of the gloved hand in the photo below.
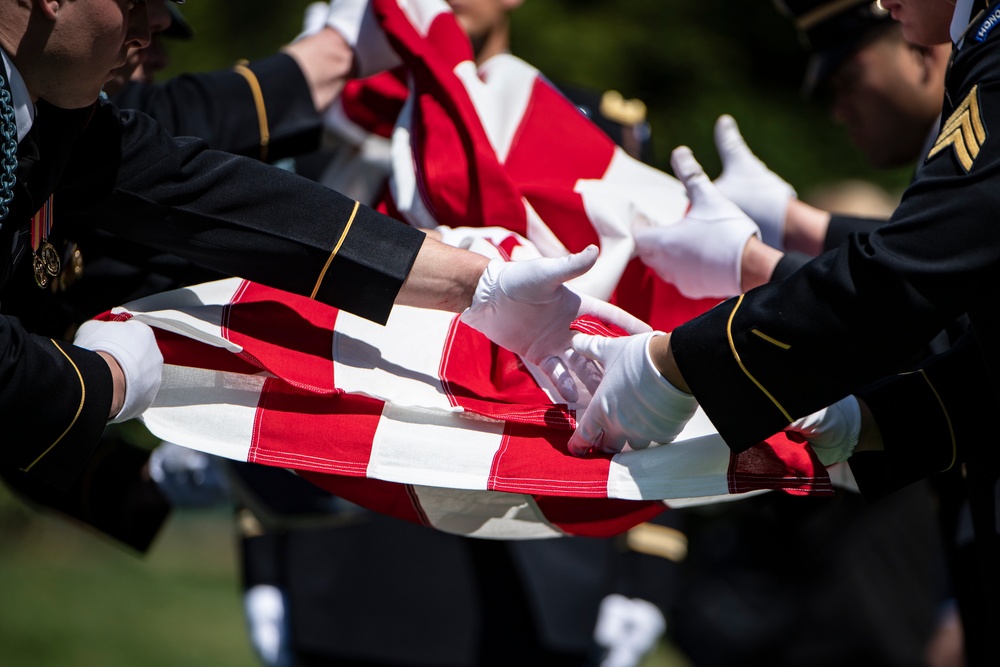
(356, 22)
(633, 402)
(832, 432)
(524, 307)
(314, 18)
(747, 182)
(462, 237)
(133, 346)
(703, 253)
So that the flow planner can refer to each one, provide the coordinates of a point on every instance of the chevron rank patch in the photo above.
(964, 132)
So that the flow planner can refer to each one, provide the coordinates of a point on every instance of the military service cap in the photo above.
(831, 30)
(179, 26)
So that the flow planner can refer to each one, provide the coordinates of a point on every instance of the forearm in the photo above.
(758, 263)
(805, 228)
(325, 60)
(442, 277)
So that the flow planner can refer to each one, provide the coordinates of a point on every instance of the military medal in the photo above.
(45, 260)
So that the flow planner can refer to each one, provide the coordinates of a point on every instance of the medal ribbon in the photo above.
(44, 257)
(41, 225)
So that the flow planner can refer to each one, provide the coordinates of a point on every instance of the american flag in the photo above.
(424, 418)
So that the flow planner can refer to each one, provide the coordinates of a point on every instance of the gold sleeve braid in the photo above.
(947, 418)
(258, 99)
(336, 249)
(79, 409)
(739, 362)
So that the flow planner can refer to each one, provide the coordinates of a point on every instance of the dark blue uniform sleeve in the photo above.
(222, 108)
(234, 215)
(953, 398)
(861, 312)
(54, 402)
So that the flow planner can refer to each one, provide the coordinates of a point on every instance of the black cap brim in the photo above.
(179, 26)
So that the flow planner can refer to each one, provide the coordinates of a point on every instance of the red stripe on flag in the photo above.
(654, 301)
(535, 459)
(386, 497)
(470, 187)
(778, 463)
(318, 432)
(489, 380)
(591, 517)
(374, 103)
(289, 335)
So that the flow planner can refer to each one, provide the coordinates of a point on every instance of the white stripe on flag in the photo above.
(500, 91)
(434, 448)
(398, 362)
(195, 312)
(485, 514)
(206, 410)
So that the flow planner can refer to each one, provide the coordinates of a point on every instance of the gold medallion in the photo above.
(50, 258)
(41, 276)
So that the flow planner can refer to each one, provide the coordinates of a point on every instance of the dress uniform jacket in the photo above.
(112, 492)
(277, 121)
(121, 172)
(228, 108)
(863, 311)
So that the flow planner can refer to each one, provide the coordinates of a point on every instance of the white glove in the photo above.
(832, 432)
(462, 237)
(703, 253)
(634, 403)
(314, 18)
(747, 182)
(357, 24)
(133, 346)
(524, 307)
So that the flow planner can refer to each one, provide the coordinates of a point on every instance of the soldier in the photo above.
(763, 360)
(119, 171)
(888, 93)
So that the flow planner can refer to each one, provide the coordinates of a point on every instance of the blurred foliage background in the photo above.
(688, 61)
(68, 598)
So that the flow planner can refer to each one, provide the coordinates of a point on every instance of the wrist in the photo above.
(325, 59)
(118, 384)
(805, 227)
(758, 263)
(662, 357)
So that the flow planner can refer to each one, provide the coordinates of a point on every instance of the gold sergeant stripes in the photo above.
(79, 409)
(258, 100)
(336, 249)
(964, 131)
(739, 362)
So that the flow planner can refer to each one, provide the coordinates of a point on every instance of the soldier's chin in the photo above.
(77, 99)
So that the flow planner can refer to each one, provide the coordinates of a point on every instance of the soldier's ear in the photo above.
(49, 8)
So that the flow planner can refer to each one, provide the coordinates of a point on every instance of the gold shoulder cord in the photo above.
(739, 362)
(258, 99)
(79, 409)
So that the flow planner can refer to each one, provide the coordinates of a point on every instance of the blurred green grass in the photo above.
(69, 598)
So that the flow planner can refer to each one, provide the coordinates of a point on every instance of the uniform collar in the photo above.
(24, 109)
(960, 20)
